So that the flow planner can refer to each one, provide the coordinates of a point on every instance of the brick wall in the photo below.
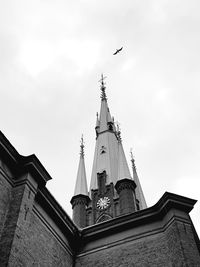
(168, 242)
(29, 236)
(182, 246)
(5, 196)
(37, 245)
(146, 252)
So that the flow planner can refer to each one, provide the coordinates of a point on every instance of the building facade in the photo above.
(111, 226)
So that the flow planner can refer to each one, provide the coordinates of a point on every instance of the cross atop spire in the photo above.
(103, 93)
(82, 146)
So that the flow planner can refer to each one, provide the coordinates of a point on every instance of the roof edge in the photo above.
(57, 213)
(160, 209)
(20, 164)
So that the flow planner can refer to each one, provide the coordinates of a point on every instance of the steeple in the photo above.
(112, 188)
(106, 149)
(81, 181)
(125, 185)
(106, 122)
(80, 199)
(141, 202)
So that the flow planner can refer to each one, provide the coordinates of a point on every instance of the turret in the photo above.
(125, 185)
(80, 199)
(140, 200)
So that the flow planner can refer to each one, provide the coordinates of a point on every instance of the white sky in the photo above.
(52, 54)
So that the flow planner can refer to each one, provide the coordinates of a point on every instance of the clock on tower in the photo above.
(103, 203)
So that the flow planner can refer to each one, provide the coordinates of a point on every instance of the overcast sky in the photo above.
(52, 54)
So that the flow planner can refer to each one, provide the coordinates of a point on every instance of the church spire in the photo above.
(105, 120)
(81, 181)
(80, 199)
(138, 191)
(125, 185)
(106, 149)
(112, 189)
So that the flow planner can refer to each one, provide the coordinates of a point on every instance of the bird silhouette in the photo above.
(118, 50)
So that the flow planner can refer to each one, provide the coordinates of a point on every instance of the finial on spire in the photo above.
(119, 133)
(132, 158)
(82, 146)
(103, 93)
(131, 153)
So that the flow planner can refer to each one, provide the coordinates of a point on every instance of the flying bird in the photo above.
(118, 50)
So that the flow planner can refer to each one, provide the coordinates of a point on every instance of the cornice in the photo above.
(22, 164)
(137, 236)
(160, 209)
(8, 152)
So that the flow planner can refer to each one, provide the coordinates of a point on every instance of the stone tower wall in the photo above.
(30, 233)
(79, 204)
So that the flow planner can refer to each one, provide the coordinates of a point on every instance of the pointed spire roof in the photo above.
(123, 169)
(103, 88)
(138, 191)
(106, 149)
(105, 117)
(81, 181)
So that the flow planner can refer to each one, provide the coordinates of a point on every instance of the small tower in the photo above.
(140, 200)
(125, 185)
(102, 192)
(80, 199)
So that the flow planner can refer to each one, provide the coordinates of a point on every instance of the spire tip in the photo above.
(82, 146)
(102, 87)
(119, 133)
(132, 158)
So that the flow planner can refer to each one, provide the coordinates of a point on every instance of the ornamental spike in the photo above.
(119, 133)
(102, 87)
(82, 146)
(132, 158)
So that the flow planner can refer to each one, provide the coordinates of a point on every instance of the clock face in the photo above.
(103, 203)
